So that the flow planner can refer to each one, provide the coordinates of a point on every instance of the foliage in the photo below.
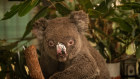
(116, 31)
(115, 28)
(12, 61)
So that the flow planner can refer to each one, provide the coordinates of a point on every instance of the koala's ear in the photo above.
(39, 27)
(81, 19)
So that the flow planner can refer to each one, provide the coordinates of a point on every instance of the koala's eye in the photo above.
(71, 42)
(51, 43)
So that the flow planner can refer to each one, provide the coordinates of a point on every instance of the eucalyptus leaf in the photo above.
(130, 50)
(138, 52)
(41, 13)
(139, 20)
(19, 66)
(100, 46)
(100, 32)
(119, 39)
(21, 63)
(62, 9)
(71, 4)
(109, 13)
(86, 4)
(14, 9)
(27, 6)
(123, 24)
(9, 46)
(56, 0)
(131, 5)
(103, 7)
(95, 2)
(94, 13)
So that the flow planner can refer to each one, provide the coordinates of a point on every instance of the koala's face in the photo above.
(61, 37)
(61, 40)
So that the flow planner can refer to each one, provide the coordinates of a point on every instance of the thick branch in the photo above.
(33, 63)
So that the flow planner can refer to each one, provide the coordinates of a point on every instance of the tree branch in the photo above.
(33, 63)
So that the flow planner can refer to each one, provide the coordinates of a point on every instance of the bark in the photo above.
(33, 63)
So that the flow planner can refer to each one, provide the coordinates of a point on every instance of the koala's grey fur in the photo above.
(83, 61)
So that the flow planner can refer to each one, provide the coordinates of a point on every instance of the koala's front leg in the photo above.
(86, 70)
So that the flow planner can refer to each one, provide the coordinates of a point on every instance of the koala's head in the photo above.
(61, 37)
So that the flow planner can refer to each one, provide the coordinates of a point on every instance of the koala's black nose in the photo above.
(63, 52)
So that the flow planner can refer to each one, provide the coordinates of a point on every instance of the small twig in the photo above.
(123, 57)
(53, 5)
(23, 47)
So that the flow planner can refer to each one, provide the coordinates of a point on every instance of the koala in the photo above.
(65, 52)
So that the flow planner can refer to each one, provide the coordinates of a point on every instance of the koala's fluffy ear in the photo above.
(39, 27)
(81, 19)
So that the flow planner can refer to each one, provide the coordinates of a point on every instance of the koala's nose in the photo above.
(63, 52)
(61, 49)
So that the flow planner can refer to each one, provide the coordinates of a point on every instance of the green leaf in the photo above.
(138, 52)
(21, 63)
(130, 50)
(128, 6)
(56, 0)
(95, 2)
(14, 9)
(94, 13)
(123, 24)
(86, 4)
(100, 32)
(62, 9)
(27, 6)
(41, 13)
(19, 66)
(104, 6)
(100, 46)
(139, 21)
(109, 13)
(107, 49)
(118, 39)
(9, 46)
